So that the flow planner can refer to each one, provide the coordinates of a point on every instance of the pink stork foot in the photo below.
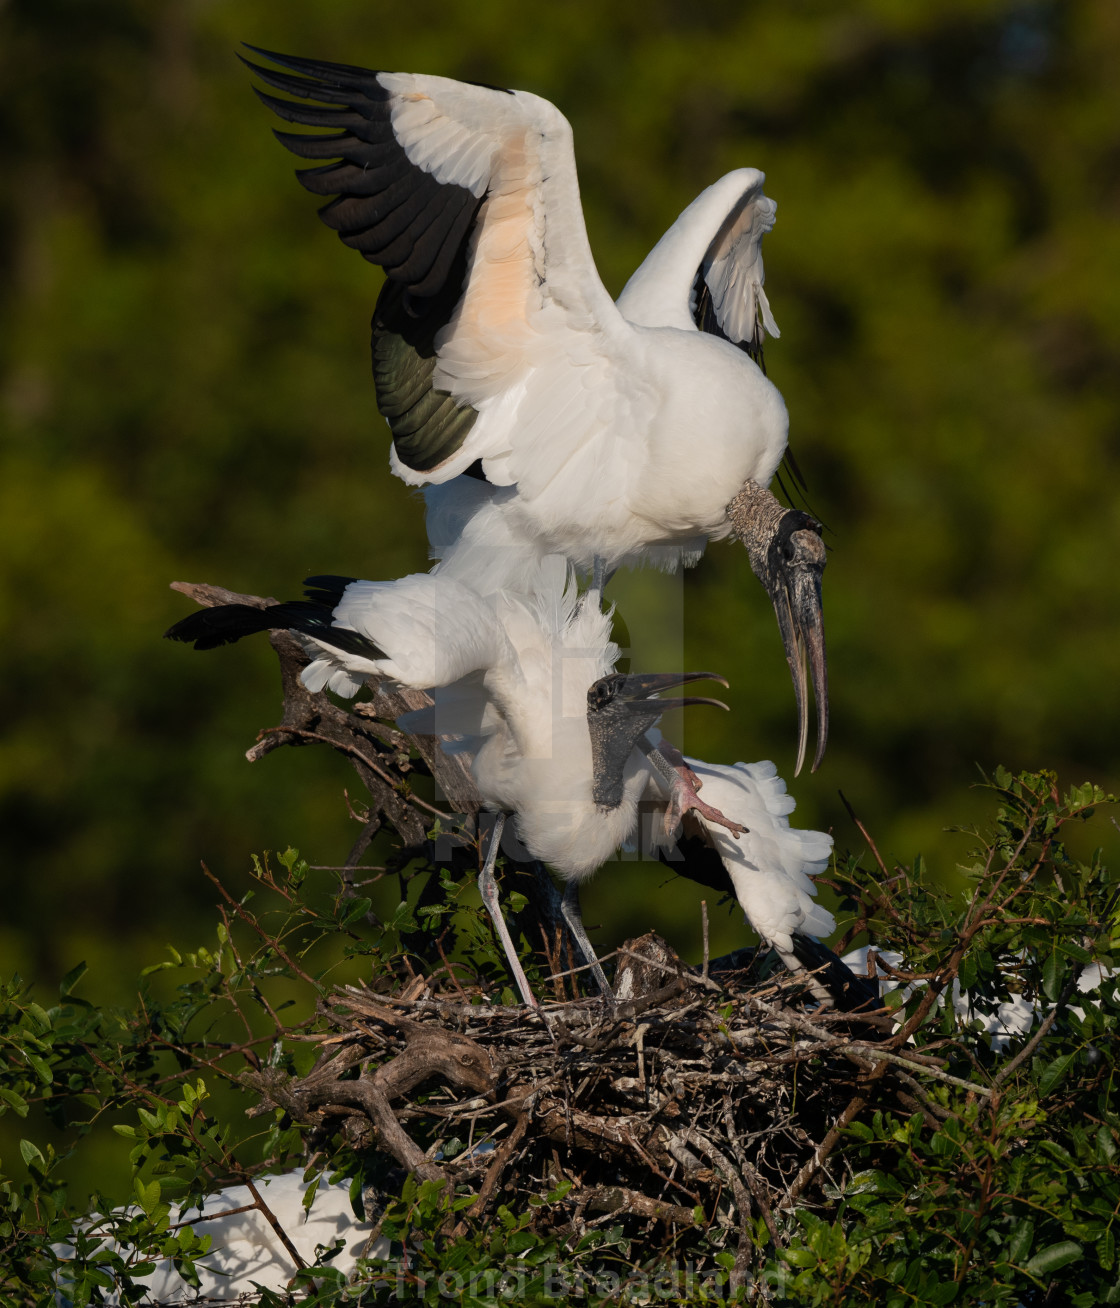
(683, 797)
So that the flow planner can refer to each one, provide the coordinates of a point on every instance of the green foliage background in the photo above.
(185, 394)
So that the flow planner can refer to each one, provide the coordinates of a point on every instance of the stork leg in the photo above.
(815, 985)
(599, 574)
(488, 887)
(599, 578)
(683, 786)
(570, 908)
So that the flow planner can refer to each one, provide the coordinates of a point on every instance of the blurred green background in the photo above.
(185, 394)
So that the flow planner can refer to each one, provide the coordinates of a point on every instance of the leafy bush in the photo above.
(948, 1172)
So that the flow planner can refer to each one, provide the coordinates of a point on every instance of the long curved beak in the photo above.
(788, 556)
(796, 560)
(637, 691)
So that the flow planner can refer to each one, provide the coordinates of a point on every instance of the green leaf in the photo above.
(357, 911)
(944, 1293)
(1053, 1073)
(1054, 1256)
(42, 1068)
(1052, 976)
(15, 1100)
(402, 919)
(148, 1194)
(39, 1016)
(32, 1155)
(1021, 1238)
(71, 979)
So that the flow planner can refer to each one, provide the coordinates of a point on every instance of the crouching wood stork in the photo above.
(769, 868)
(498, 353)
(524, 683)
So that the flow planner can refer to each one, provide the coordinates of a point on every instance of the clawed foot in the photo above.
(683, 797)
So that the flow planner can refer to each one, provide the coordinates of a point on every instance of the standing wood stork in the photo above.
(525, 683)
(498, 353)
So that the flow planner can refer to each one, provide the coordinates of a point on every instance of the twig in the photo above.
(494, 1174)
(614, 1199)
(583, 967)
(754, 1181)
(856, 1106)
(396, 785)
(270, 1217)
(252, 922)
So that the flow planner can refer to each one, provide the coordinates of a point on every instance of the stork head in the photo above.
(620, 710)
(788, 556)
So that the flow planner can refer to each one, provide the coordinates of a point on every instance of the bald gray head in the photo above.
(620, 710)
(788, 556)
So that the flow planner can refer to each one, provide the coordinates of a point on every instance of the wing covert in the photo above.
(728, 296)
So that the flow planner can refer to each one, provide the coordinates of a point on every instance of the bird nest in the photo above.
(699, 1091)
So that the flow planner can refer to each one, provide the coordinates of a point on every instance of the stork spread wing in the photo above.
(728, 292)
(467, 196)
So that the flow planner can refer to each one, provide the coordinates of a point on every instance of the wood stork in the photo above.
(525, 683)
(770, 868)
(245, 1253)
(498, 353)
(1001, 1019)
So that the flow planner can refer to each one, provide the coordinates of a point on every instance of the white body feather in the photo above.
(508, 672)
(620, 428)
(245, 1251)
(773, 864)
(1011, 1018)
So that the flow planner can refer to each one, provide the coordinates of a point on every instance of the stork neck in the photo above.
(612, 740)
(754, 515)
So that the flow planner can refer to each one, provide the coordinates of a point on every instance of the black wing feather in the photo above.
(327, 589)
(314, 616)
(316, 147)
(695, 860)
(222, 625)
(852, 993)
(428, 425)
(392, 211)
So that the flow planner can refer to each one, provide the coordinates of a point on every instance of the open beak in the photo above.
(637, 691)
(794, 564)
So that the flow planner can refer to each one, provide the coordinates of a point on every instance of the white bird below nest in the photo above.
(245, 1254)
